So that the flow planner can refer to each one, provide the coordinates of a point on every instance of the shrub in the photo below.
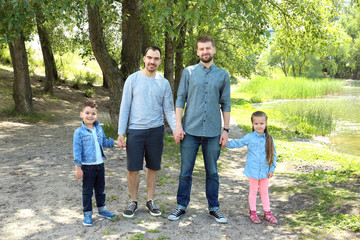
(90, 92)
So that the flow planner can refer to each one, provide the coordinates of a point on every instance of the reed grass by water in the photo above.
(261, 89)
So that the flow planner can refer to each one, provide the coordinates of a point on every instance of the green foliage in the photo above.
(90, 92)
(289, 88)
(9, 114)
(110, 131)
(91, 78)
(137, 236)
(5, 55)
(332, 195)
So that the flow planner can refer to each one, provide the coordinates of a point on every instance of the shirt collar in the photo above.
(96, 123)
(210, 68)
(259, 135)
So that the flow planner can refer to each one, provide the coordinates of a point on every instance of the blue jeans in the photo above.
(94, 178)
(189, 147)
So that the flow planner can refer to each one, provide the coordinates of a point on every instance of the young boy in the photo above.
(89, 141)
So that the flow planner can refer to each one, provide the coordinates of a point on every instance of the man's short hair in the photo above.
(154, 48)
(204, 39)
(91, 104)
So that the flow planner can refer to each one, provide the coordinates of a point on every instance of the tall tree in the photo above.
(131, 37)
(51, 75)
(109, 67)
(107, 64)
(22, 93)
(14, 22)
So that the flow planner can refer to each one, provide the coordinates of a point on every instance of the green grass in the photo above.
(329, 196)
(9, 114)
(261, 89)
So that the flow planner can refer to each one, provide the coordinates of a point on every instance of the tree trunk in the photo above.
(301, 66)
(179, 59)
(51, 75)
(22, 93)
(108, 65)
(293, 69)
(146, 37)
(169, 60)
(283, 67)
(131, 37)
(105, 84)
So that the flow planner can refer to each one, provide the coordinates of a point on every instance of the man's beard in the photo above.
(207, 60)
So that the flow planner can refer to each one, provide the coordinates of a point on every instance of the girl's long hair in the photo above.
(269, 144)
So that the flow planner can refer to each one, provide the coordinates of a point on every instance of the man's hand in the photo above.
(178, 134)
(224, 138)
(78, 172)
(121, 141)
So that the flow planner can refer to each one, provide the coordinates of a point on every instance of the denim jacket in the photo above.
(84, 144)
(256, 166)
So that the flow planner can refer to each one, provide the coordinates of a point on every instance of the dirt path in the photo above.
(41, 199)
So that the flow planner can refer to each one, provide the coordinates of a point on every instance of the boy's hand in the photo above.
(118, 143)
(78, 172)
(270, 174)
(121, 140)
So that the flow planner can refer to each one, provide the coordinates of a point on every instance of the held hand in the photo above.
(224, 138)
(118, 143)
(178, 134)
(78, 172)
(121, 141)
(270, 174)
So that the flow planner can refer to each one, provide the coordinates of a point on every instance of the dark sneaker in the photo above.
(106, 214)
(88, 221)
(218, 216)
(130, 210)
(176, 214)
(153, 208)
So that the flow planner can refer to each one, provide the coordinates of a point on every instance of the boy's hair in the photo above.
(154, 48)
(269, 145)
(91, 104)
(204, 39)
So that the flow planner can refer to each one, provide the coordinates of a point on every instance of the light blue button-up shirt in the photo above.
(144, 101)
(256, 166)
(204, 91)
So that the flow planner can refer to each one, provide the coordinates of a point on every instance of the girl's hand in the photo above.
(270, 174)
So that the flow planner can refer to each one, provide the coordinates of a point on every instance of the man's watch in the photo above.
(227, 129)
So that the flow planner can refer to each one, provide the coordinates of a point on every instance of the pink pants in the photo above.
(262, 185)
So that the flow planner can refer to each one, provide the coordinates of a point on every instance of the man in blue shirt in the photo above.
(146, 96)
(205, 88)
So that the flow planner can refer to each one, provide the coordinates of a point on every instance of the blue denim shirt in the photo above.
(84, 144)
(256, 166)
(204, 91)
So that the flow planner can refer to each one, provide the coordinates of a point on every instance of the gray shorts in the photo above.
(144, 142)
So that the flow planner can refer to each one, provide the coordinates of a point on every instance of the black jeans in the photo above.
(94, 178)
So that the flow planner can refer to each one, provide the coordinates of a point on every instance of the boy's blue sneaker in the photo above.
(106, 214)
(87, 220)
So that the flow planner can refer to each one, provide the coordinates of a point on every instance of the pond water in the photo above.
(345, 110)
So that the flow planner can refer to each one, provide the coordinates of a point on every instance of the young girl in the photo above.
(260, 163)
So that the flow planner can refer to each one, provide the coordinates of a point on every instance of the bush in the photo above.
(90, 78)
(90, 92)
(5, 57)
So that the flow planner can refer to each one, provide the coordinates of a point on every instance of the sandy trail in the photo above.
(41, 198)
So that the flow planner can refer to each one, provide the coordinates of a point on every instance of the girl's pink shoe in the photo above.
(269, 217)
(253, 217)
